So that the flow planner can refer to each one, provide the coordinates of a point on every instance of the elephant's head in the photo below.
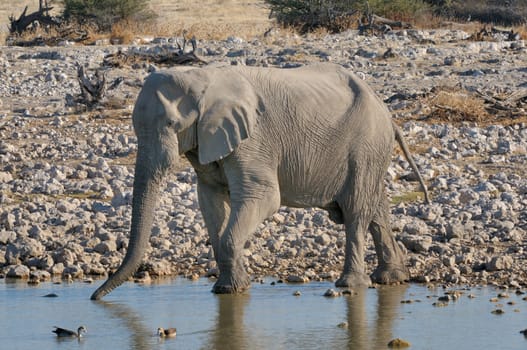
(208, 110)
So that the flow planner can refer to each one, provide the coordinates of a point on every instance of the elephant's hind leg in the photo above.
(391, 268)
(356, 206)
(353, 274)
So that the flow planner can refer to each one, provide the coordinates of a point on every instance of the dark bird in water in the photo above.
(524, 332)
(166, 333)
(61, 332)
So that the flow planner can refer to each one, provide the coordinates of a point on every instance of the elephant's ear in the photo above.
(230, 109)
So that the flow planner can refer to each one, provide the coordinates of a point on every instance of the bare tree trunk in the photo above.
(92, 90)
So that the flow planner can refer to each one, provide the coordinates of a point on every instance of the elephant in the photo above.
(261, 138)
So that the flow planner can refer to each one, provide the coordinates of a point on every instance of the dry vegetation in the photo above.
(457, 105)
(208, 19)
(214, 20)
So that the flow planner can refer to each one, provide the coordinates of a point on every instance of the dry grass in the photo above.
(408, 197)
(123, 32)
(456, 105)
(207, 19)
(522, 30)
(213, 19)
(427, 21)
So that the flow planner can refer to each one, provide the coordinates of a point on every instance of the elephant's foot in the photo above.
(390, 274)
(353, 280)
(229, 283)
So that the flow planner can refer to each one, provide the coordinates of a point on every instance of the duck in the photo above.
(61, 332)
(166, 333)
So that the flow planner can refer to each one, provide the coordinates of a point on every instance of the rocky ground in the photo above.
(66, 171)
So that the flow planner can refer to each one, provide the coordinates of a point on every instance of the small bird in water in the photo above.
(61, 332)
(524, 332)
(166, 333)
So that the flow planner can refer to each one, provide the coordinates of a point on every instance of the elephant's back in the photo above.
(322, 104)
(322, 118)
(323, 90)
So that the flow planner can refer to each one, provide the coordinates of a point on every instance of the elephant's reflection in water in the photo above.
(370, 324)
(369, 327)
(373, 331)
(230, 332)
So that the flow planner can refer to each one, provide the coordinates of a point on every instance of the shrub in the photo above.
(106, 12)
(398, 9)
(335, 15)
(511, 12)
(307, 15)
(456, 105)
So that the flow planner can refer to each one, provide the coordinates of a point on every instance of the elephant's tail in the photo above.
(402, 143)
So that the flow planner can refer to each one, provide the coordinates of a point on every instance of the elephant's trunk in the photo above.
(146, 189)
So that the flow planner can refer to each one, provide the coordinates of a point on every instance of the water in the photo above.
(268, 317)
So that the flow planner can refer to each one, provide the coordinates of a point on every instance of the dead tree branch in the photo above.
(509, 34)
(92, 88)
(511, 104)
(41, 16)
(178, 57)
(394, 24)
(380, 24)
(495, 34)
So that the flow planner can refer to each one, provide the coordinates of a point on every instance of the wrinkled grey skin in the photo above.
(260, 138)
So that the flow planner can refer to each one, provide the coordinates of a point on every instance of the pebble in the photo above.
(297, 279)
(498, 312)
(50, 295)
(18, 271)
(398, 343)
(331, 293)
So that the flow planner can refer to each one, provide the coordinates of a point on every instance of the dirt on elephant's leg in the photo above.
(391, 268)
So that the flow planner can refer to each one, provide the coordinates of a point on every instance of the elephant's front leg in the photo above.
(214, 204)
(249, 207)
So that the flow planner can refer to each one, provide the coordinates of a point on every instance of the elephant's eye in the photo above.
(173, 125)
